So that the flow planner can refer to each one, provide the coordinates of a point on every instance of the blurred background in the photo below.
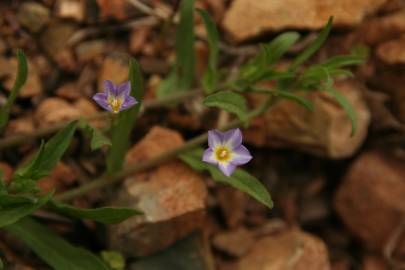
(339, 200)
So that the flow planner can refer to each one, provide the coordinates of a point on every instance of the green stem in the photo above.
(141, 166)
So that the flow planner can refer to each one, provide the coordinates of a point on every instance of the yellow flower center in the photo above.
(115, 104)
(223, 154)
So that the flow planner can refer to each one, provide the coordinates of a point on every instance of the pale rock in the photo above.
(235, 243)
(247, 19)
(370, 199)
(33, 85)
(33, 16)
(55, 110)
(325, 132)
(115, 68)
(290, 249)
(21, 125)
(172, 197)
(71, 9)
(90, 50)
(393, 51)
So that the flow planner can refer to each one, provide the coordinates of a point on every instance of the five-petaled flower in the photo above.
(226, 150)
(115, 98)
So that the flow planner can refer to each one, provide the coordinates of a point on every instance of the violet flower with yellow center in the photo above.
(226, 150)
(115, 98)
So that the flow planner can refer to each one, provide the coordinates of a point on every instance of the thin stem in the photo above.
(148, 105)
(172, 153)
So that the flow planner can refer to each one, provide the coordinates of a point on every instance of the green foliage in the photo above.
(12, 213)
(97, 138)
(210, 78)
(228, 101)
(346, 106)
(113, 259)
(7, 200)
(53, 249)
(22, 72)
(259, 68)
(47, 156)
(125, 121)
(240, 179)
(313, 47)
(106, 215)
(182, 76)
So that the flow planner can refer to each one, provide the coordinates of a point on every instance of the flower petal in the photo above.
(129, 101)
(209, 156)
(241, 155)
(233, 138)
(227, 168)
(109, 87)
(214, 138)
(124, 89)
(101, 99)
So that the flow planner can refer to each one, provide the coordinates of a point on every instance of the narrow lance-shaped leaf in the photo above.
(211, 74)
(125, 121)
(53, 249)
(48, 155)
(228, 101)
(106, 215)
(240, 179)
(97, 138)
(21, 78)
(346, 106)
(279, 46)
(11, 214)
(313, 47)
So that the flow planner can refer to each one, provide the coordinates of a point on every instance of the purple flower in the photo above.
(115, 98)
(226, 150)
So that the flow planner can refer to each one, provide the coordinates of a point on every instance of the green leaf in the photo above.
(125, 121)
(114, 259)
(228, 101)
(346, 106)
(210, 78)
(97, 138)
(48, 155)
(22, 72)
(343, 60)
(106, 215)
(168, 85)
(11, 199)
(185, 56)
(313, 47)
(279, 46)
(240, 179)
(11, 214)
(53, 249)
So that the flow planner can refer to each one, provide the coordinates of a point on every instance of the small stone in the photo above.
(90, 50)
(6, 171)
(33, 16)
(290, 249)
(370, 199)
(55, 40)
(89, 108)
(55, 110)
(138, 39)
(71, 9)
(247, 19)
(232, 203)
(115, 68)
(117, 9)
(172, 197)
(372, 262)
(69, 91)
(60, 178)
(235, 243)
(33, 85)
(324, 132)
(392, 52)
(21, 125)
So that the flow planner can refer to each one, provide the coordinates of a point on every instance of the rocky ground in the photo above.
(339, 200)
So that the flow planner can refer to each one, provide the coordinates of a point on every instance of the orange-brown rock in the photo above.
(20, 125)
(55, 110)
(172, 197)
(393, 51)
(6, 171)
(372, 262)
(325, 131)
(235, 243)
(370, 199)
(114, 68)
(290, 249)
(247, 19)
(59, 179)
